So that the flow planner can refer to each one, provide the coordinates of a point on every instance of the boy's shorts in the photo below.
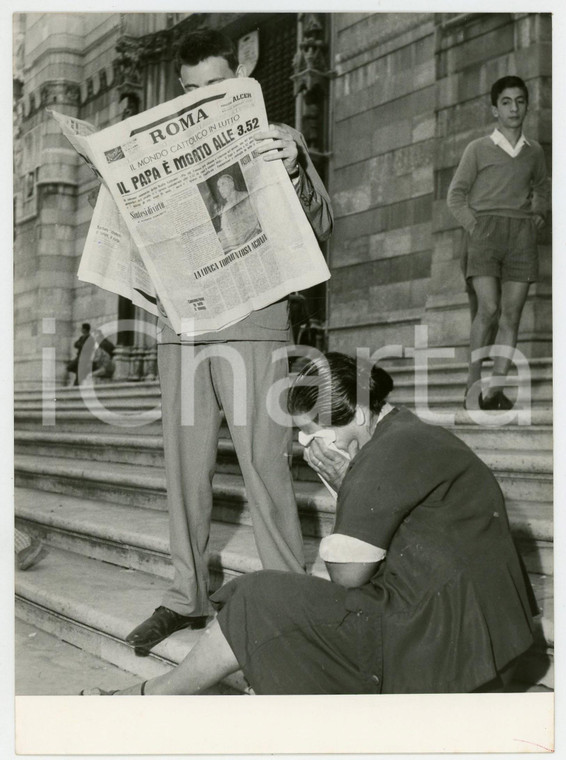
(502, 246)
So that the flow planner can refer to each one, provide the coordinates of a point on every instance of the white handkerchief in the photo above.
(329, 437)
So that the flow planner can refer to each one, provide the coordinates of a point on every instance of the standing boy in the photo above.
(500, 194)
(191, 367)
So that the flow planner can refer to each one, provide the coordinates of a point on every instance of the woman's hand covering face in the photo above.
(329, 463)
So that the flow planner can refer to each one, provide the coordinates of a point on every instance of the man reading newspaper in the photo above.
(203, 366)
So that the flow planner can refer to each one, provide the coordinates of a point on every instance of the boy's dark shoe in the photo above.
(498, 401)
(31, 555)
(159, 626)
(490, 403)
(504, 402)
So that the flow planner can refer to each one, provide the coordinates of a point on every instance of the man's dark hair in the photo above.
(503, 84)
(197, 46)
(86, 326)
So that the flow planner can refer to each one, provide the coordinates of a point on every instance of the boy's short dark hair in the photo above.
(195, 47)
(85, 326)
(503, 84)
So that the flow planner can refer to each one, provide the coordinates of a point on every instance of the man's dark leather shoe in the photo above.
(159, 626)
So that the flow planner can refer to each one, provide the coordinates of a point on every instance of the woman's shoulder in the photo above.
(402, 434)
(392, 437)
(398, 422)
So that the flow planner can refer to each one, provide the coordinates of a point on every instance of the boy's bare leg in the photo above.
(208, 662)
(483, 325)
(513, 298)
(472, 300)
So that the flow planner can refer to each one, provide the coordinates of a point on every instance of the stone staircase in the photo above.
(94, 490)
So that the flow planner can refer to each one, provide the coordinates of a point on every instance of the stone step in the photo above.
(402, 371)
(136, 487)
(93, 605)
(142, 450)
(522, 474)
(80, 420)
(147, 450)
(110, 390)
(145, 488)
(444, 386)
(136, 539)
(440, 394)
(448, 398)
(510, 437)
(407, 374)
(91, 401)
(457, 415)
(147, 421)
(449, 386)
(100, 444)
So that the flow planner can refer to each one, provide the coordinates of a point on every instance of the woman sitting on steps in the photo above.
(427, 591)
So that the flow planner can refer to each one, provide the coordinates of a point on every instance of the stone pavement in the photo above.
(46, 666)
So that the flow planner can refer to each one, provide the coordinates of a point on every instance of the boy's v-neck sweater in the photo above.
(490, 181)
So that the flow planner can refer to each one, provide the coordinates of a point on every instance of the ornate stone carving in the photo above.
(310, 62)
(58, 93)
(127, 62)
(311, 79)
(156, 47)
(128, 74)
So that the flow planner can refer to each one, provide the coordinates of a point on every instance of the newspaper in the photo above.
(189, 215)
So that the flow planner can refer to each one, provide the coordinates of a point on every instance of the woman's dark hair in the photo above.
(503, 84)
(329, 388)
(202, 44)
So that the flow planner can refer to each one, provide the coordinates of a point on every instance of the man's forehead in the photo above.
(512, 92)
(214, 67)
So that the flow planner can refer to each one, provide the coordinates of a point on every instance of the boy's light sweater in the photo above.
(489, 181)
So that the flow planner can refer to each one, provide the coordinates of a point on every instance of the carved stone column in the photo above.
(150, 363)
(130, 91)
(136, 364)
(122, 363)
(311, 77)
(48, 202)
(311, 84)
(127, 65)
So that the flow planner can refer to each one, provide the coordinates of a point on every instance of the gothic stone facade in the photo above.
(387, 102)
